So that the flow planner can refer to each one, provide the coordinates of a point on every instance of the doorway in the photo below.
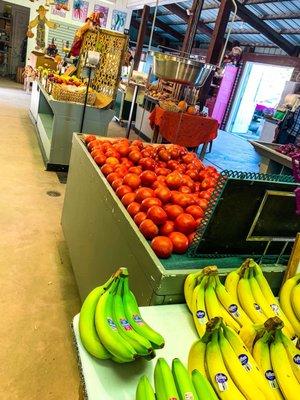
(14, 20)
(258, 95)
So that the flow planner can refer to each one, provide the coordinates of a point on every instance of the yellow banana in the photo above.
(196, 359)
(248, 334)
(189, 285)
(293, 355)
(283, 371)
(198, 307)
(261, 354)
(286, 304)
(218, 374)
(231, 282)
(295, 299)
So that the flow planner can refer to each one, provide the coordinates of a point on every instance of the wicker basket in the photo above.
(169, 106)
(59, 92)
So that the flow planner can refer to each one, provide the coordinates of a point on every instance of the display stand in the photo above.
(55, 122)
(272, 162)
(107, 380)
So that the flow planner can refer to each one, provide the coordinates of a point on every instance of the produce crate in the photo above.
(101, 236)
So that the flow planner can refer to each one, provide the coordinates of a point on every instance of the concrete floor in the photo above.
(38, 296)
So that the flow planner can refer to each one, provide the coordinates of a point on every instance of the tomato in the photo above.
(192, 173)
(148, 228)
(133, 208)
(150, 202)
(96, 151)
(202, 175)
(122, 190)
(147, 163)
(127, 163)
(187, 181)
(189, 158)
(182, 199)
(121, 170)
(172, 164)
(173, 211)
(205, 194)
(191, 237)
(148, 178)
(135, 156)
(197, 187)
(167, 228)
(174, 151)
(112, 177)
(135, 170)
(100, 159)
(195, 211)
(162, 246)
(164, 155)
(162, 164)
(180, 242)
(122, 149)
(163, 194)
(157, 214)
(162, 171)
(173, 180)
(93, 144)
(116, 183)
(89, 138)
(158, 184)
(128, 198)
(138, 143)
(198, 222)
(143, 193)
(185, 189)
(211, 169)
(140, 217)
(107, 169)
(203, 204)
(132, 180)
(208, 183)
(185, 223)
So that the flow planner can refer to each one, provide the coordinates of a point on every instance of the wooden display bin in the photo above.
(101, 236)
(37, 59)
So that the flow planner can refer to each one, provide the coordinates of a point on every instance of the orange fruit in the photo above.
(191, 110)
(182, 105)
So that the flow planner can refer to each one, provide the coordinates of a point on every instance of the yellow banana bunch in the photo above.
(289, 297)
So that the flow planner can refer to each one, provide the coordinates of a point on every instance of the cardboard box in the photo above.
(38, 59)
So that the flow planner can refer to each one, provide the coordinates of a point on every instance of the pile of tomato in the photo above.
(165, 189)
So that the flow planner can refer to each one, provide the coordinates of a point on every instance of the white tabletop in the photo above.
(106, 380)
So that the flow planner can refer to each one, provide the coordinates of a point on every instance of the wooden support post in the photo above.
(216, 44)
(141, 37)
(192, 27)
(294, 260)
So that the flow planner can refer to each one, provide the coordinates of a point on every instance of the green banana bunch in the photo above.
(183, 381)
(87, 330)
(144, 390)
(202, 386)
(165, 387)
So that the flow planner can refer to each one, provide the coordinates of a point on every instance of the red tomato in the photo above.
(185, 223)
(173, 180)
(202, 175)
(189, 158)
(89, 138)
(157, 214)
(135, 156)
(205, 194)
(100, 159)
(139, 218)
(148, 228)
(164, 155)
(133, 208)
(192, 173)
(203, 204)
(185, 189)
(127, 163)
(167, 228)
(121, 170)
(107, 169)
(143, 193)
(173, 211)
(148, 178)
(122, 190)
(135, 170)
(93, 144)
(174, 151)
(158, 184)
(187, 181)
(195, 211)
(128, 198)
(172, 164)
(112, 177)
(182, 199)
(112, 160)
(208, 183)
(132, 180)
(197, 187)
(162, 246)
(198, 221)
(138, 143)
(147, 163)
(150, 202)
(116, 183)
(122, 149)
(163, 193)
(162, 171)
(191, 237)
(97, 151)
(162, 164)
(180, 242)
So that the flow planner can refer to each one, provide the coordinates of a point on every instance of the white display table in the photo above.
(107, 380)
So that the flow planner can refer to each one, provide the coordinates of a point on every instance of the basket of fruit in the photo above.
(169, 106)
(75, 94)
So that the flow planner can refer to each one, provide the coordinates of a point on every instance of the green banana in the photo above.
(87, 330)
(144, 390)
(135, 319)
(108, 331)
(183, 381)
(141, 345)
(165, 387)
(202, 386)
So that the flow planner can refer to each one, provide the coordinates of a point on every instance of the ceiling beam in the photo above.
(270, 17)
(192, 24)
(249, 2)
(158, 39)
(284, 31)
(167, 29)
(256, 23)
(181, 13)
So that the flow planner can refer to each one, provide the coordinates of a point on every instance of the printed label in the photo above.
(257, 307)
(234, 310)
(126, 325)
(221, 380)
(201, 315)
(188, 396)
(296, 359)
(275, 308)
(138, 319)
(244, 360)
(270, 376)
(172, 398)
(111, 324)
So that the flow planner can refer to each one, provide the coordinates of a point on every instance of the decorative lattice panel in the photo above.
(111, 46)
